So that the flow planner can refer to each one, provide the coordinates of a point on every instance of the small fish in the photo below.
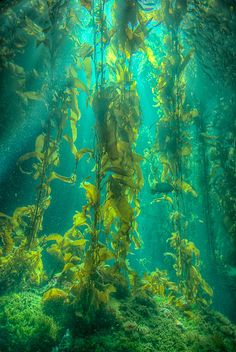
(162, 187)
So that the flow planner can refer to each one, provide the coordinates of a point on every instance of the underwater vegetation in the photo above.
(118, 175)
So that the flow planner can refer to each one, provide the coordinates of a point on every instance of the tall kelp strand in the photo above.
(117, 218)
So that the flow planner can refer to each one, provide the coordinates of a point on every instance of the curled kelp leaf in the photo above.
(54, 175)
(28, 156)
(91, 192)
(78, 154)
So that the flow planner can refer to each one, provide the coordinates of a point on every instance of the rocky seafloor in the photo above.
(138, 323)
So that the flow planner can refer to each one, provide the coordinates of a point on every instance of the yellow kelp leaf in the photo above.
(30, 155)
(136, 241)
(168, 199)
(21, 211)
(166, 169)
(73, 126)
(125, 209)
(87, 4)
(75, 258)
(30, 95)
(172, 255)
(151, 57)
(7, 240)
(71, 144)
(54, 237)
(116, 168)
(73, 72)
(165, 197)
(186, 150)
(54, 250)
(207, 136)
(105, 254)
(125, 180)
(3, 215)
(91, 192)
(137, 206)
(67, 267)
(32, 28)
(175, 216)
(103, 296)
(86, 50)
(189, 116)
(38, 272)
(139, 176)
(54, 175)
(79, 219)
(109, 214)
(197, 275)
(74, 103)
(207, 288)
(185, 60)
(16, 69)
(186, 187)
(88, 70)
(80, 153)
(111, 56)
(67, 257)
(79, 243)
(39, 143)
(77, 83)
(190, 246)
(54, 294)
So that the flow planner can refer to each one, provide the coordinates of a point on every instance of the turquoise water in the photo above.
(117, 176)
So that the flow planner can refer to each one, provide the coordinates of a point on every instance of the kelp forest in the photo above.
(118, 176)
